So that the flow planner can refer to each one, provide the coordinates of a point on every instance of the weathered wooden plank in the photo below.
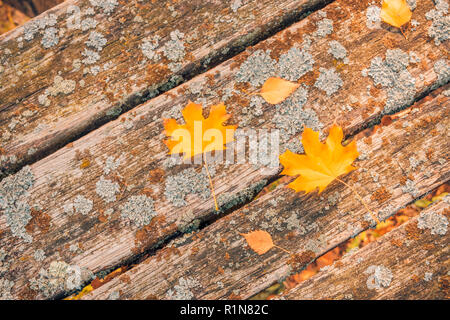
(216, 263)
(32, 8)
(80, 193)
(84, 62)
(410, 262)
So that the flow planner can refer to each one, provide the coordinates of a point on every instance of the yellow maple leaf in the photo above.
(321, 163)
(395, 12)
(259, 241)
(198, 135)
(276, 90)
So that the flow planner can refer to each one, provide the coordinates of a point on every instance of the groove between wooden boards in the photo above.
(423, 195)
(211, 219)
(138, 98)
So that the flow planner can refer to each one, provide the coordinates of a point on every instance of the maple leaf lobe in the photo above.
(198, 134)
(322, 162)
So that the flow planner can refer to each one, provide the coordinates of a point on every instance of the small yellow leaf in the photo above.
(321, 163)
(422, 203)
(395, 12)
(276, 90)
(259, 241)
(211, 135)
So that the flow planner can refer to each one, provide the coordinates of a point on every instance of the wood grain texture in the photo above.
(32, 8)
(406, 263)
(127, 158)
(52, 93)
(216, 263)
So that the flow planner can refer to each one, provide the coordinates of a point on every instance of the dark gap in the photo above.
(355, 235)
(212, 217)
(188, 73)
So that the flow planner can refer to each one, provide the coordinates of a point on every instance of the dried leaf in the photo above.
(276, 90)
(259, 241)
(321, 163)
(198, 135)
(395, 12)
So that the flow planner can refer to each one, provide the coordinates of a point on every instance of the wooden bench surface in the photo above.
(411, 262)
(83, 63)
(72, 210)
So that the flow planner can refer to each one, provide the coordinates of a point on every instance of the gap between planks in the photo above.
(44, 144)
(150, 272)
(398, 261)
(422, 196)
(128, 265)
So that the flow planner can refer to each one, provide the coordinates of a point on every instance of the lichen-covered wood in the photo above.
(410, 262)
(216, 262)
(85, 62)
(114, 193)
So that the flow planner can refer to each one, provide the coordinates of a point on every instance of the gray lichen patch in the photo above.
(50, 37)
(60, 277)
(82, 205)
(373, 19)
(138, 209)
(379, 277)
(38, 26)
(184, 183)
(14, 201)
(393, 75)
(5, 289)
(183, 290)
(96, 40)
(149, 47)
(174, 48)
(107, 6)
(440, 27)
(324, 28)
(60, 86)
(91, 57)
(111, 164)
(442, 69)
(107, 189)
(411, 188)
(39, 255)
(295, 63)
(337, 50)
(291, 116)
(329, 81)
(434, 221)
(258, 67)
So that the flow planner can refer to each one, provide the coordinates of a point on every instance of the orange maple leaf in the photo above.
(199, 135)
(276, 90)
(395, 12)
(259, 241)
(321, 163)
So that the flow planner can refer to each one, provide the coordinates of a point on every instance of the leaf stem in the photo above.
(374, 217)
(282, 249)
(210, 182)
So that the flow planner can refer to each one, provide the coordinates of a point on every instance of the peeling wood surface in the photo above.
(51, 92)
(81, 172)
(216, 263)
(410, 263)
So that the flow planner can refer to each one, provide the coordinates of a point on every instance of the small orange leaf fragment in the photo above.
(276, 90)
(259, 241)
(395, 12)
(321, 163)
